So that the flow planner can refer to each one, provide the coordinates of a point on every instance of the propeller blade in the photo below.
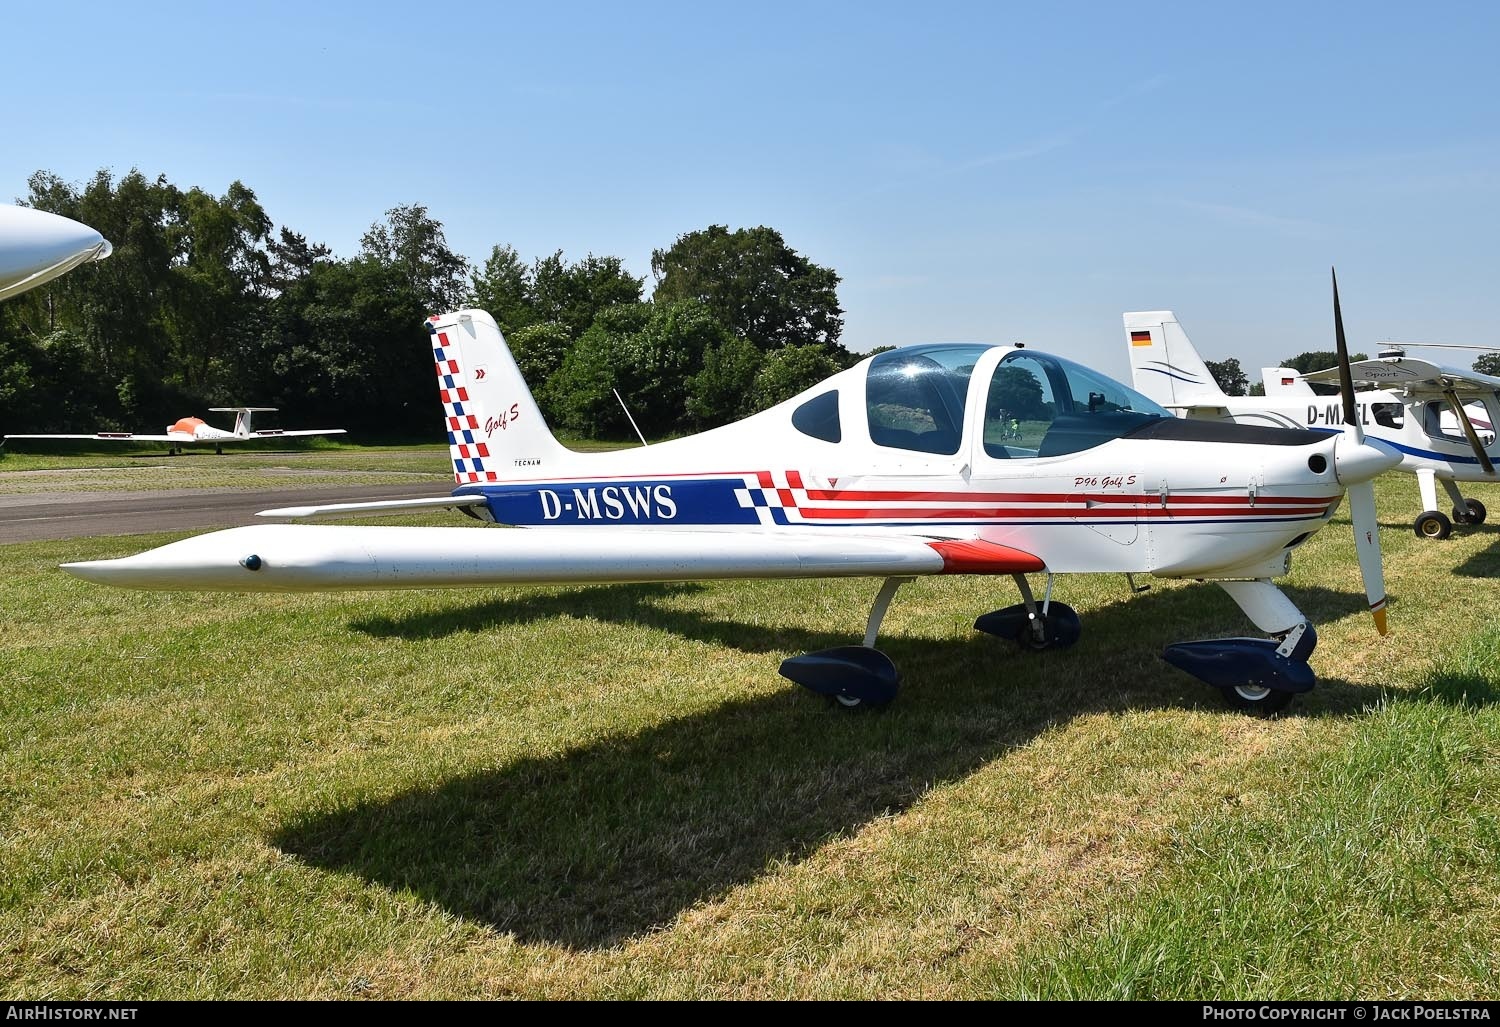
(1367, 544)
(1362, 491)
(1346, 376)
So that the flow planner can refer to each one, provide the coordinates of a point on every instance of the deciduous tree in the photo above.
(754, 283)
(1227, 373)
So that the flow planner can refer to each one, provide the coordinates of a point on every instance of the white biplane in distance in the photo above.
(932, 459)
(194, 430)
(1440, 419)
(36, 247)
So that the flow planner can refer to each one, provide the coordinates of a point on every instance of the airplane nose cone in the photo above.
(36, 247)
(1355, 462)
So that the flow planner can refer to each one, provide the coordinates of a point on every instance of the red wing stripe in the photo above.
(980, 557)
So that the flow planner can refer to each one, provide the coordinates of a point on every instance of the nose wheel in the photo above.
(1256, 699)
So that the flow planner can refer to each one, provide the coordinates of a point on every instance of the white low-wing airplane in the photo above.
(189, 430)
(36, 247)
(1440, 419)
(934, 459)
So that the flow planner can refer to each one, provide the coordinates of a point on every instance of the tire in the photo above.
(1252, 699)
(1475, 513)
(1433, 525)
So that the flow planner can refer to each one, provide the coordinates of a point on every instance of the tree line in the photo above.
(205, 302)
(1233, 380)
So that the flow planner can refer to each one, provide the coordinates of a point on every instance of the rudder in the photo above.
(1164, 366)
(494, 424)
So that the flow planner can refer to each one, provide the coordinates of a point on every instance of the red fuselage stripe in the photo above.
(1054, 497)
(1078, 511)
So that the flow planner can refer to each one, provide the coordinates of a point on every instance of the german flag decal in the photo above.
(1140, 338)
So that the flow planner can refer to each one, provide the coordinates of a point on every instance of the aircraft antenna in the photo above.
(629, 418)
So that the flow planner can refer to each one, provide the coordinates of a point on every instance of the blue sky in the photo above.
(986, 172)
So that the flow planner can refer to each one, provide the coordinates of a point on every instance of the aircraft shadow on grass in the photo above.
(594, 846)
(1483, 564)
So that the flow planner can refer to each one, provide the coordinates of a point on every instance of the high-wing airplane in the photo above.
(189, 430)
(932, 459)
(1440, 419)
(36, 247)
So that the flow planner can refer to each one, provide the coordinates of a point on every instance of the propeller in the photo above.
(1356, 468)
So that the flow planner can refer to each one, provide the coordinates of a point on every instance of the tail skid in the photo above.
(494, 424)
(1164, 365)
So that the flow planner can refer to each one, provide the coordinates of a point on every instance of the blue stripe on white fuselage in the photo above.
(680, 501)
(1426, 454)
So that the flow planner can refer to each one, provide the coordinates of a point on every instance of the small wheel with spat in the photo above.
(1060, 628)
(1474, 514)
(1256, 699)
(1433, 524)
(1041, 637)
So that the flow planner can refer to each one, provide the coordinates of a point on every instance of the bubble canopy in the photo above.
(1036, 404)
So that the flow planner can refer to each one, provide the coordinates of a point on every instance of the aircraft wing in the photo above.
(311, 558)
(1401, 371)
(105, 436)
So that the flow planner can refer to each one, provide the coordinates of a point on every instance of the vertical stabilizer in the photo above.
(1285, 381)
(495, 429)
(1164, 365)
(242, 418)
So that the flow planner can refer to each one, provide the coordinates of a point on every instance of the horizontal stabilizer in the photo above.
(277, 433)
(336, 510)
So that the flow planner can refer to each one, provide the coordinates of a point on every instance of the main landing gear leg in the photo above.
(1257, 675)
(1046, 626)
(1431, 522)
(1465, 511)
(852, 675)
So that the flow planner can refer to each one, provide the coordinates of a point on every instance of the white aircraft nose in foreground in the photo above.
(36, 247)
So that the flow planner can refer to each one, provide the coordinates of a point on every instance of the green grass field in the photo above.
(609, 792)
